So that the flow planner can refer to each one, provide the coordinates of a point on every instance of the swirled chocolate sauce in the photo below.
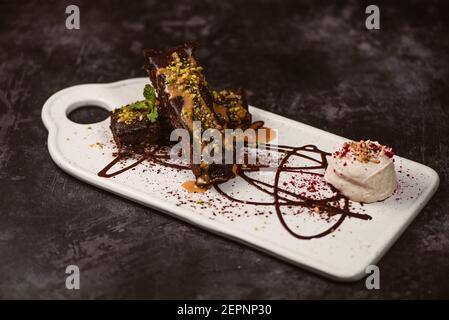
(334, 205)
(156, 154)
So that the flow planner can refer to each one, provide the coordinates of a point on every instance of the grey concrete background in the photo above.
(312, 61)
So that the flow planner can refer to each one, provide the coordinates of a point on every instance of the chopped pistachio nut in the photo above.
(187, 77)
(365, 151)
(139, 110)
(228, 99)
(231, 101)
(127, 115)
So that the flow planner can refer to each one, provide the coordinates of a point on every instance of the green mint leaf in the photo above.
(139, 105)
(149, 93)
(153, 115)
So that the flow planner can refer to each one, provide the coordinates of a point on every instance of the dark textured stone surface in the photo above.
(312, 61)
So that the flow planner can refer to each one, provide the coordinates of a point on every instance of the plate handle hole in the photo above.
(88, 114)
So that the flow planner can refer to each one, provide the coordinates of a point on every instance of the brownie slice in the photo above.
(133, 131)
(184, 97)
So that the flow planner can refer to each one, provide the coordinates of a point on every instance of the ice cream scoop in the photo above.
(362, 171)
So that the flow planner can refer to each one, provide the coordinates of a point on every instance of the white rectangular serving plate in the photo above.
(83, 150)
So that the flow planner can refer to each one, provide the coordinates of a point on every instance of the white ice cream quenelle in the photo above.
(362, 171)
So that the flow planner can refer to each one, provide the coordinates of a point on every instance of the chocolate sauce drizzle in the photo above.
(159, 155)
(335, 205)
